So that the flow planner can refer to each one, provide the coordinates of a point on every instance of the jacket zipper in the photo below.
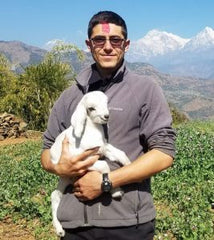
(85, 216)
(137, 208)
(137, 217)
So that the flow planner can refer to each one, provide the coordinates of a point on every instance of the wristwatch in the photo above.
(106, 185)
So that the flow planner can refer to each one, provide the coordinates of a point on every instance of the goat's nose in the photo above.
(106, 117)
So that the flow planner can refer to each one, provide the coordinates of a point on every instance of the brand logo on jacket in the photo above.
(115, 109)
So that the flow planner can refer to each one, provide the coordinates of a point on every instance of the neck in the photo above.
(93, 129)
(106, 73)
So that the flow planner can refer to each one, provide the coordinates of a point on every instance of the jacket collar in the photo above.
(91, 76)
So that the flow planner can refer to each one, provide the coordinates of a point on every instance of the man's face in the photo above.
(108, 46)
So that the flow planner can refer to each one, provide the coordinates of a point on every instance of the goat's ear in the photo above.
(78, 119)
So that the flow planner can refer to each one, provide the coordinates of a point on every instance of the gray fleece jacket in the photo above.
(139, 121)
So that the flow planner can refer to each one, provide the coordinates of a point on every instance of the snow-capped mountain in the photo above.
(173, 54)
(204, 39)
(155, 43)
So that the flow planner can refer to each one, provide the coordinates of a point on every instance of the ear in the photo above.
(78, 119)
(127, 44)
(88, 44)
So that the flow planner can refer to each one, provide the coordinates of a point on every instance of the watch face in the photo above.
(106, 186)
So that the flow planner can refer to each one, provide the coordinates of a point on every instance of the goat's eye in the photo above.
(91, 109)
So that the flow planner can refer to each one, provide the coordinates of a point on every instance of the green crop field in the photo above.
(183, 194)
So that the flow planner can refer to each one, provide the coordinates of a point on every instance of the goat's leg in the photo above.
(117, 193)
(56, 196)
(115, 154)
(102, 166)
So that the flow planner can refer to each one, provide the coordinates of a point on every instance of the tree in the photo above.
(35, 90)
(7, 82)
(7, 77)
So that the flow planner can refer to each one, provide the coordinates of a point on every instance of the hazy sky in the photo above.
(36, 22)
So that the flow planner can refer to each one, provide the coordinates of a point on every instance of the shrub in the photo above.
(178, 117)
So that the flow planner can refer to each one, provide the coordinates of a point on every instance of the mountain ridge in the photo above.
(193, 96)
(21, 54)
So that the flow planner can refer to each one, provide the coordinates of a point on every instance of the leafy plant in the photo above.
(187, 189)
(25, 186)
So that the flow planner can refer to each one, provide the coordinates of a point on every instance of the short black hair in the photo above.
(107, 17)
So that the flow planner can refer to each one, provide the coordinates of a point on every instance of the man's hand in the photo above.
(69, 166)
(88, 187)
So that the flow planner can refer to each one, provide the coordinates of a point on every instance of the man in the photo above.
(139, 124)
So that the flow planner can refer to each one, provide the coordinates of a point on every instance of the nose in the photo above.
(106, 117)
(107, 44)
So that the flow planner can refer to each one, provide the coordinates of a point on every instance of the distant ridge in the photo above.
(191, 95)
(21, 54)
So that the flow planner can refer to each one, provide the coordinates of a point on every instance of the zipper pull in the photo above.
(137, 217)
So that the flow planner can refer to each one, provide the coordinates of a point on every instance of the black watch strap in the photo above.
(106, 184)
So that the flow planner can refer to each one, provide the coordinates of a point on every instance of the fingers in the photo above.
(88, 162)
(90, 152)
(78, 193)
(65, 145)
(88, 187)
(87, 158)
(82, 167)
(76, 165)
(80, 197)
(84, 155)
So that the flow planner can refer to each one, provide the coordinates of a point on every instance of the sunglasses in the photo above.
(99, 41)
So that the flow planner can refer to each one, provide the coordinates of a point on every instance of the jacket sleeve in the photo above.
(155, 122)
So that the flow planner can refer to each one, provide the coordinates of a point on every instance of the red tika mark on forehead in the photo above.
(105, 27)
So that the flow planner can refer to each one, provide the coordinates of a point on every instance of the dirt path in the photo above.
(12, 231)
(9, 141)
(30, 135)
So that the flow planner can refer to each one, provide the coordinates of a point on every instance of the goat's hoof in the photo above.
(60, 232)
(117, 194)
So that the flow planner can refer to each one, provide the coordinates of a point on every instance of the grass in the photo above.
(183, 194)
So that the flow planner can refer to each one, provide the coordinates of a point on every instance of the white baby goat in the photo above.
(85, 132)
